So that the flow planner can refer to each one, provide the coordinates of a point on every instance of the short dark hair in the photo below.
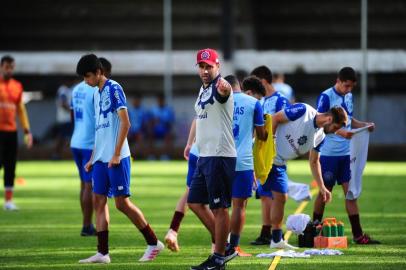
(339, 115)
(263, 72)
(347, 74)
(7, 59)
(105, 64)
(231, 79)
(88, 63)
(254, 84)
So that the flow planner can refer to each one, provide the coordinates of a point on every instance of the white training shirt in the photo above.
(214, 123)
(299, 135)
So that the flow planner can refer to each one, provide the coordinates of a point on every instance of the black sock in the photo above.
(355, 225)
(266, 231)
(149, 235)
(234, 240)
(176, 220)
(103, 242)
(276, 235)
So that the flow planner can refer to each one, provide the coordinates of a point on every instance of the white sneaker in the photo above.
(171, 240)
(281, 245)
(98, 258)
(10, 206)
(151, 252)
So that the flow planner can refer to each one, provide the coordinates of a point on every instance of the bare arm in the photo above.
(355, 123)
(314, 161)
(190, 140)
(89, 164)
(278, 118)
(122, 134)
(261, 133)
(23, 116)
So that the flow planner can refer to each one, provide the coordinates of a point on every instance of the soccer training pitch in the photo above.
(44, 234)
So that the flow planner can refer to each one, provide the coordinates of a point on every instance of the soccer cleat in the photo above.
(88, 231)
(241, 252)
(10, 206)
(210, 264)
(282, 244)
(98, 258)
(151, 252)
(230, 254)
(171, 240)
(261, 241)
(365, 239)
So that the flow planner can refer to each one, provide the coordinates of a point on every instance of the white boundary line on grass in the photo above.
(287, 235)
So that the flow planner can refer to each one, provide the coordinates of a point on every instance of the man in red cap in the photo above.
(213, 178)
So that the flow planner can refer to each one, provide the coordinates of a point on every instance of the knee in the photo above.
(87, 187)
(99, 204)
(121, 204)
(238, 205)
(194, 206)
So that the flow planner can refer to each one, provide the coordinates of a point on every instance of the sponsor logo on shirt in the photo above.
(291, 142)
(104, 125)
(302, 140)
(202, 116)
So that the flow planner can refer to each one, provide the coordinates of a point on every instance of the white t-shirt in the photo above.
(214, 123)
(299, 135)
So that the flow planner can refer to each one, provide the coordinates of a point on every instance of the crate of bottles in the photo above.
(330, 234)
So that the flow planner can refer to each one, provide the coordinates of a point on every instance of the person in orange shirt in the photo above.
(11, 104)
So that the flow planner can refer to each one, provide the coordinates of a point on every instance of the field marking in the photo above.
(287, 235)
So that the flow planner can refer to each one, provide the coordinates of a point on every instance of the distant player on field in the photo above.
(11, 104)
(214, 175)
(335, 152)
(248, 116)
(298, 129)
(272, 103)
(111, 160)
(82, 141)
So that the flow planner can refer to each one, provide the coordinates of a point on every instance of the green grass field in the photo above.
(44, 234)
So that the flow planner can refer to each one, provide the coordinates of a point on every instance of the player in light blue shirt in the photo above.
(335, 152)
(110, 162)
(82, 142)
(285, 89)
(272, 103)
(247, 117)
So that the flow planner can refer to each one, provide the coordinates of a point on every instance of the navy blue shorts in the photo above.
(192, 164)
(81, 157)
(112, 181)
(212, 182)
(277, 180)
(242, 185)
(335, 169)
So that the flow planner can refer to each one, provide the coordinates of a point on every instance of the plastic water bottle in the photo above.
(326, 229)
(340, 228)
(334, 229)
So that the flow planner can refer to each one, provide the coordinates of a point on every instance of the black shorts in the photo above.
(212, 182)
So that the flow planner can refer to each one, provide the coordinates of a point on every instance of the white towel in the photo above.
(297, 223)
(299, 191)
(324, 252)
(284, 253)
(359, 154)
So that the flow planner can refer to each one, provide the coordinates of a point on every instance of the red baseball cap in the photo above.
(208, 56)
